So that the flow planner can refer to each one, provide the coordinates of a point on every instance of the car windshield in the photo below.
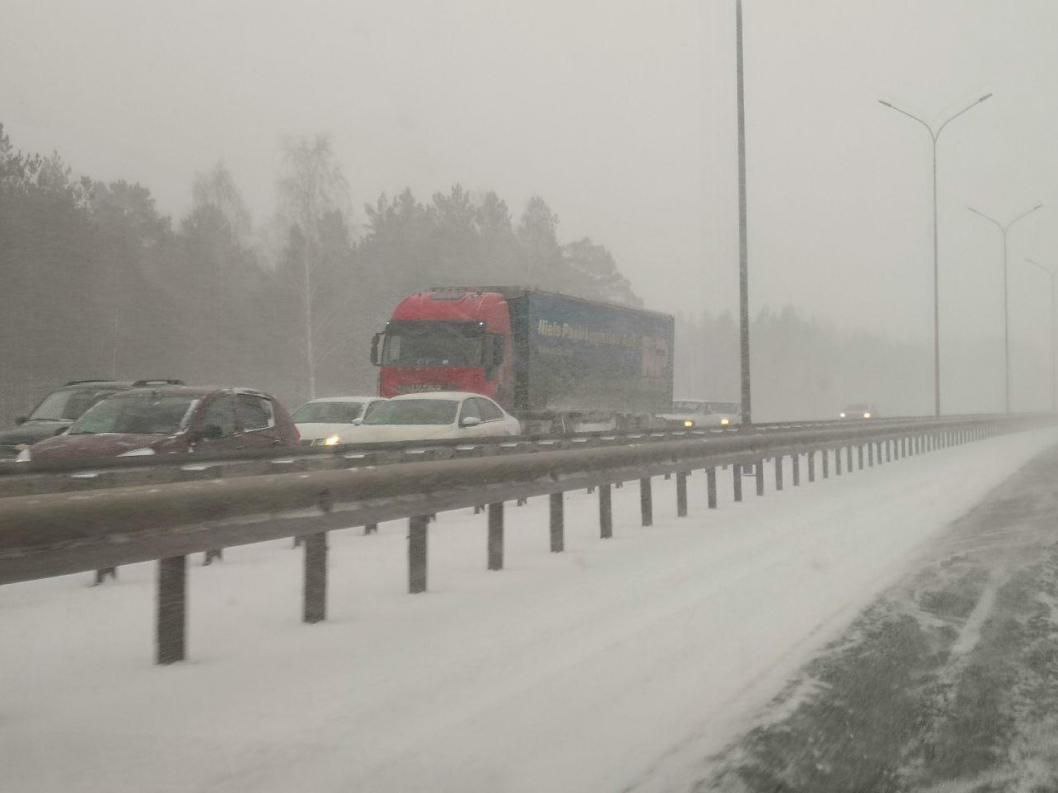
(328, 412)
(67, 404)
(688, 406)
(140, 414)
(723, 407)
(413, 411)
(857, 408)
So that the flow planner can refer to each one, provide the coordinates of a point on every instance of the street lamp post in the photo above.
(1050, 273)
(1006, 301)
(934, 136)
(743, 243)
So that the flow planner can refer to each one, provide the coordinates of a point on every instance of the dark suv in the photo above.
(171, 420)
(59, 409)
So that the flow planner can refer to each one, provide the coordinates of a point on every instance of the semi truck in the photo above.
(556, 362)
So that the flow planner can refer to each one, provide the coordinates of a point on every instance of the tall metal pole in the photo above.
(743, 245)
(1006, 294)
(936, 290)
(934, 137)
(1050, 273)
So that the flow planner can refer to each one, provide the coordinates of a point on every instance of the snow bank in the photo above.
(606, 667)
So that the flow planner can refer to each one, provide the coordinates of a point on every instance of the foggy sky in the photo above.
(620, 114)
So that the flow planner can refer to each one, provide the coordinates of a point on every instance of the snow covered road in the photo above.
(600, 669)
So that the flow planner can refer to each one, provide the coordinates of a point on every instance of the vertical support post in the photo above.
(870, 454)
(759, 471)
(736, 480)
(837, 461)
(605, 512)
(848, 459)
(778, 472)
(811, 465)
(859, 455)
(314, 601)
(558, 523)
(417, 553)
(646, 501)
(824, 456)
(681, 494)
(710, 486)
(496, 536)
(171, 624)
(795, 459)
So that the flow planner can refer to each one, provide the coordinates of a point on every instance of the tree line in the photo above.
(98, 283)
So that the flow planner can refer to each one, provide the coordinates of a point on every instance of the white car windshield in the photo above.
(327, 412)
(413, 411)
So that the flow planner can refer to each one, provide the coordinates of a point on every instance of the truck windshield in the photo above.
(454, 344)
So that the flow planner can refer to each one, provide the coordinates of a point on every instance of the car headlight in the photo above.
(24, 456)
(688, 423)
(724, 422)
(145, 451)
(866, 415)
(842, 415)
(332, 440)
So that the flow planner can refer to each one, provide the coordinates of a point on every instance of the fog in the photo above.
(621, 116)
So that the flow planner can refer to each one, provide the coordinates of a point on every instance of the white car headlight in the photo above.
(24, 456)
(145, 451)
(332, 440)
(688, 423)
(724, 422)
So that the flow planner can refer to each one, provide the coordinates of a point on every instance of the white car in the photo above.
(331, 420)
(434, 416)
(692, 413)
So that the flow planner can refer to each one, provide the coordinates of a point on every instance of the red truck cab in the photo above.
(447, 340)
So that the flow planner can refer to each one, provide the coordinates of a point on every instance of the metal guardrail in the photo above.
(61, 533)
(78, 475)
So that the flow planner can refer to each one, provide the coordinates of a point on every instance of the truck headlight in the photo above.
(843, 414)
(724, 422)
(688, 423)
(866, 415)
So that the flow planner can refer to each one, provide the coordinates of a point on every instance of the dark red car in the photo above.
(171, 420)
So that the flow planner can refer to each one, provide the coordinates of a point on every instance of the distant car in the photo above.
(59, 409)
(171, 420)
(436, 415)
(859, 410)
(328, 421)
(691, 413)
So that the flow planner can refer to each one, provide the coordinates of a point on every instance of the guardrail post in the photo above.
(315, 594)
(646, 501)
(417, 553)
(837, 461)
(759, 472)
(171, 626)
(859, 455)
(605, 512)
(824, 456)
(795, 458)
(848, 459)
(558, 525)
(681, 494)
(778, 472)
(496, 536)
(103, 572)
(870, 454)
(889, 443)
(710, 487)
(811, 465)
(736, 480)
